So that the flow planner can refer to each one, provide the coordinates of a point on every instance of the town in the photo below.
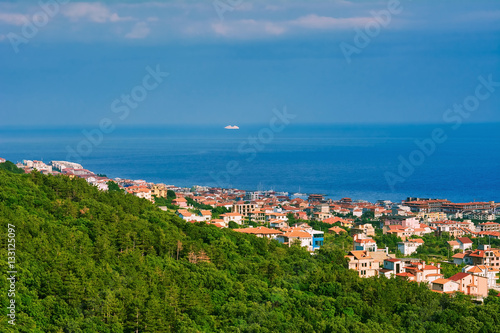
(451, 247)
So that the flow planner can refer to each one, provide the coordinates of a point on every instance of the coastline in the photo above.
(334, 160)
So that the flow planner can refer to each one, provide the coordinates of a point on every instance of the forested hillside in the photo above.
(90, 261)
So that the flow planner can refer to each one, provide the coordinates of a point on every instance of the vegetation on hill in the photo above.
(91, 261)
(9, 166)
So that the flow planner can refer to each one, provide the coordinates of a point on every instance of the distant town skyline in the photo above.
(206, 62)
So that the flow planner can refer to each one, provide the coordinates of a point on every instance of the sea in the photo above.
(362, 162)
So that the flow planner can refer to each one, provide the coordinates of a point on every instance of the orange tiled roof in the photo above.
(297, 233)
(259, 231)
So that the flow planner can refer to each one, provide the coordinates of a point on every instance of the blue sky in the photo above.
(236, 68)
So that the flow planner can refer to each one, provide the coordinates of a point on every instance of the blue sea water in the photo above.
(335, 160)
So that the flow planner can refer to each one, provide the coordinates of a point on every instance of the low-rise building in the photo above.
(336, 230)
(158, 190)
(180, 201)
(464, 243)
(363, 263)
(317, 239)
(458, 258)
(470, 284)
(484, 255)
(292, 235)
(206, 214)
(410, 246)
(234, 217)
(343, 222)
(185, 214)
(444, 286)
(392, 267)
(364, 243)
(411, 269)
(276, 216)
(304, 234)
(278, 224)
(262, 232)
(140, 191)
(244, 208)
(488, 226)
(488, 272)
(366, 229)
(454, 245)
(424, 272)
(431, 216)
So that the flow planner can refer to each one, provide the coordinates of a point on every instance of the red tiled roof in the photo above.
(464, 240)
(459, 276)
(259, 231)
(405, 274)
(393, 260)
(369, 240)
(337, 229)
(475, 269)
(441, 281)
(297, 233)
(429, 267)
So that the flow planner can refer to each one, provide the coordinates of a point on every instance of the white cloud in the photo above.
(13, 19)
(314, 21)
(255, 28)
(95, 12)
(140, 30)
(221, 28)
(247, 28)
(274, 29)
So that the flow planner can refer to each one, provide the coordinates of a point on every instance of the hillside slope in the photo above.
(91, 261)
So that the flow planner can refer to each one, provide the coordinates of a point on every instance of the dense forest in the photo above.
(91, 261)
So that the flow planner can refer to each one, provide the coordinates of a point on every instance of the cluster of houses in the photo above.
(69, 169)
(475, 279)
(409, 220)
(301, 234)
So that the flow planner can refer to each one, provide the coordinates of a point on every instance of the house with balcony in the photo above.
(295, 235)
(364, 243)
(484, 255)
(278, 224)
(180, 201)
(488, 272)
(392, 267)
(470, 284)
(444, 286)
(366, 229)
(232, 217)
(261, 232)
(411, 269)
(488, 226)
(317, 239)
(410, 246)
(363, 263)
